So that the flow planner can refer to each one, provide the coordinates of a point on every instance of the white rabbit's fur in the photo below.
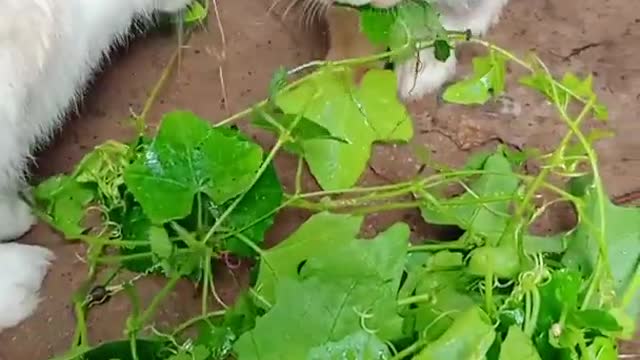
(48, 51)
(426, 74)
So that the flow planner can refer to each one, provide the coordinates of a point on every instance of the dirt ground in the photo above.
(598, 36)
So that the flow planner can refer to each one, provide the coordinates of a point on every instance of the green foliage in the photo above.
(487, 81)
(359, 115)
(183, 160)
(469, 337)
(193, 193)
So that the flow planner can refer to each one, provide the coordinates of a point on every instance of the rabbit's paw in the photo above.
(16, 218)
(22, 269)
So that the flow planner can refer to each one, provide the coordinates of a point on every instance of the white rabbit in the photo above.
(48, 51)
(425, 73)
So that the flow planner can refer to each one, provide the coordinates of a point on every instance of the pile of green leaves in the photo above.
(173, 203)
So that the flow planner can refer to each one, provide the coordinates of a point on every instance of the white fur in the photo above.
(425, 74)
(48, 51)
(22, 269)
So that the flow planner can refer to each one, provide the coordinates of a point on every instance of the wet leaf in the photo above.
(360, 345)
(187, 157)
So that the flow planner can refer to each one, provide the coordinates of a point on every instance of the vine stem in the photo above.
(155, 302)
(189, 323)
(415, 299)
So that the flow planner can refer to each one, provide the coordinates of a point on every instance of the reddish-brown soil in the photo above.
(599, 36)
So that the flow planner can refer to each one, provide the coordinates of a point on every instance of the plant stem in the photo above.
(205, 281)
(488, 293)
(415, 299)
(532, 322)
(155, 302)
(80, 336)
(189, 323)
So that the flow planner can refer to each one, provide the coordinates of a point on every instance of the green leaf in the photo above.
(330, 310)
(322, 231)
(403, 26)
(255, 212)
(541, 81)
(415, 22)
(503, 261)
(104, 167)
(360, 116)
(594, 319)
(197, 352)
(487, 81)
(360, 345)
(327, 277)
(333, 234)
(442, 50)
(187, 157)
(603, 349)
(64, 201)
(489, 218)
(160, 243)
(219, 337)
(305, 129)
(557, 296)
(377, 24)
(469, 338)
(622, 237)
(448, 299)
(135, 226)
(196, 13)
(517, 345)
